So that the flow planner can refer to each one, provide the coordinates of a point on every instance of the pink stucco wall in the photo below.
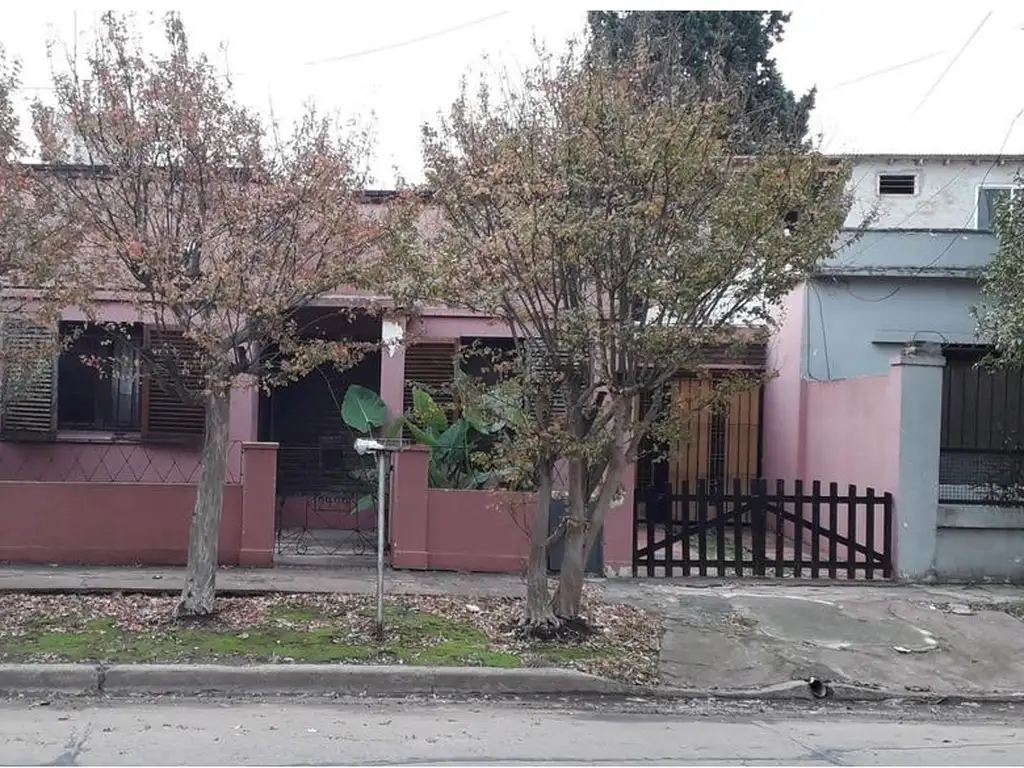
(482, 531)
(107, 523)
(848, 434)
(781, 417)
(454, 530)
(477, 531)
(852, 432)
(106, 462)
(453, 324)
(844, 431)
(129, 522)
(852, 437)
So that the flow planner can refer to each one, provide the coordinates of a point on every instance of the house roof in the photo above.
(896, 157)
(80, 169)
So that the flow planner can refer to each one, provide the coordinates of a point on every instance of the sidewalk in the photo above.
(719, 636)
(350, 580)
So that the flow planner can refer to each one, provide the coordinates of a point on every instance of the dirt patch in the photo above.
(620, 642)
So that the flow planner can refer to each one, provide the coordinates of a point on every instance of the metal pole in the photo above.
(382, 459)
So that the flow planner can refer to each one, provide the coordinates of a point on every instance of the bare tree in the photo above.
(32, 246)
(615, 230)
(216, 227)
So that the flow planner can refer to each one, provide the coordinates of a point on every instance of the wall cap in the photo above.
(259, 446)
(979, 516)
(922, 353)
(416, 448)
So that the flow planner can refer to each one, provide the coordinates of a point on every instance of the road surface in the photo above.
(198, 732)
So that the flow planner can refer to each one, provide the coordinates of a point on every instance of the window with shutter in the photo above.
(430, 365)
(167, 417)
(98, 379)
(28, 380)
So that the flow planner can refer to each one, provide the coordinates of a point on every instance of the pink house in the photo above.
(878, 378)
(102, 470)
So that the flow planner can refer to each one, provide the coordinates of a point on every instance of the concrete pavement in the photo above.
(720, 636)
(230, 732)
(896, 641)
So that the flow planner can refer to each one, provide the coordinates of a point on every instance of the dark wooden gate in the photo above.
(757, 529)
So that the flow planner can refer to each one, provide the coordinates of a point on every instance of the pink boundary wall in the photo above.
(130, 523)
(845, 431)
(479, 531)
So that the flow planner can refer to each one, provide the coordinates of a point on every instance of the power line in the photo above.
(885, 71)
(952, 62)
(348, 56)
(412, 41)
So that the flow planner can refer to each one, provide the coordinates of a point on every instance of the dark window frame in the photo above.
(115, 391)
(983, 208)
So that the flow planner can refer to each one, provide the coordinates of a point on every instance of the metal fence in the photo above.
(982, 447)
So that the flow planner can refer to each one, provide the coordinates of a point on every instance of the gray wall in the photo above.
(947, 189)
(856, 326)
(916, 251)
(975, 543)
(889, 289)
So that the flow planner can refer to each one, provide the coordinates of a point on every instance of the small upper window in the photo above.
(989, 200)
(897, 184)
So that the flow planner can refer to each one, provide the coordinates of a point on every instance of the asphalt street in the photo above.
(281, 732)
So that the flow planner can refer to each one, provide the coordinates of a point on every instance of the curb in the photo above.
(395, 681)
(285, 679)
(800, 690)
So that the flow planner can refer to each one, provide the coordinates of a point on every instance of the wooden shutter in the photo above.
(536, 359)
(166, 416)
(689, 457)
(430, 365)
(28, 380)
(743, 432)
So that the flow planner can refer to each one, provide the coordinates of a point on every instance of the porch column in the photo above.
(919, 369)
(243, 420)
(259, 498)
(392, 364)
(409, 522)
(619, 528)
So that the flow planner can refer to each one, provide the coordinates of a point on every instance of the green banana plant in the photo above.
(455, 447)
(364, 411)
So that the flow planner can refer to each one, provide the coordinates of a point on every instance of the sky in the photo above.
(908, 77)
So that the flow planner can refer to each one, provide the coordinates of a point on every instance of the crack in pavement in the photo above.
(73, 749)
(830, 756)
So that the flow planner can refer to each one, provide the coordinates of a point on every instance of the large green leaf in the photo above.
(422, 436)
(438, 477)
(394, 429)
(477, 419)
(453, 443)
(480, 479)
(505, 409)
(428, 412)
(363, 409)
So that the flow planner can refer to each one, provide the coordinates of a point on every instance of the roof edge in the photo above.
(927, 156)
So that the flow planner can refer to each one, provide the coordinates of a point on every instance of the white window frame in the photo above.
(977, 200)
(878, 183)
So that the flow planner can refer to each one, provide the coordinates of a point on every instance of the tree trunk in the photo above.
(580, 538)
(538, 599)
(197, 596)
(569, 593)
